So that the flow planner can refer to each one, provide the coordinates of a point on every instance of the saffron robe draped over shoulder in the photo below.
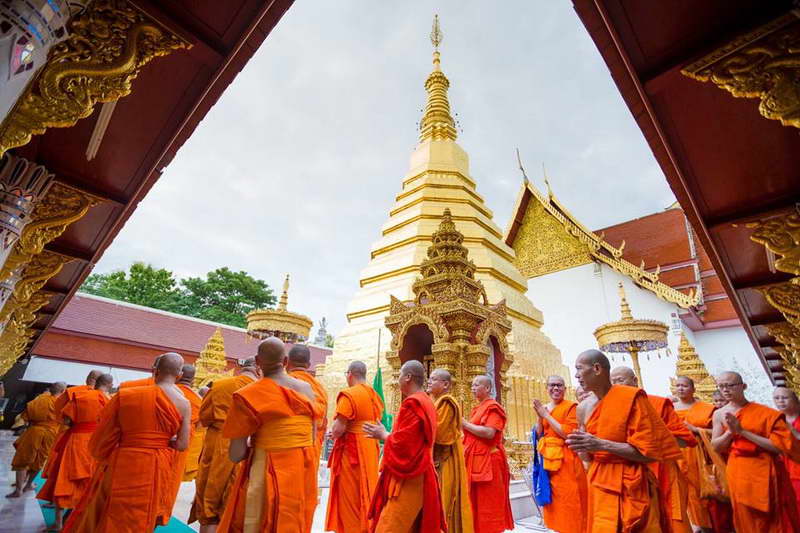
(448, 458)
(143, 382)
(407, 496)
(72, 466)
(133, 488)
(487, 467)
(698, 415)
(672, 487)
(353, 461)
(567, 511)
(757, 480)
(215, 473)
(277, 482)
(623, 495)
(793, 467)
(183, 457)
(33, 446)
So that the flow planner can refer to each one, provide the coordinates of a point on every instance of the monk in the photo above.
(72, 468)
(407, 497)
(672, 485)
(448, 454)
(277, 480)
(215, 473)
(721, 512)
(33, 446)
(623, 433)
(787, 403)
(136, 443)
(298, 364)
(567, 511)
(696, 415)
(187, 461)
(354, 458)
(61, 401)
(486, 461)
(756, 437)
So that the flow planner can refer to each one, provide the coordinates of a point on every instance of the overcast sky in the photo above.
(296, 167)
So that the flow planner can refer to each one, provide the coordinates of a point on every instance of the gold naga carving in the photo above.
(763, 63)
(59, 208)
(108, 45)
(781, 236)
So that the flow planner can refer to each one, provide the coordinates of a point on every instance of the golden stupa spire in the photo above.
(211, 364)
(437, 124)
(284, 301)
(625, 309)
(690, 365)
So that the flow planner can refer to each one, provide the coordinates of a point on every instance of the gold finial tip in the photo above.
(436, 33)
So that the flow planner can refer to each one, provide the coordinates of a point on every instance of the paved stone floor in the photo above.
(23, 515)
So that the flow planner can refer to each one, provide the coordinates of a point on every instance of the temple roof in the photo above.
(548, 238)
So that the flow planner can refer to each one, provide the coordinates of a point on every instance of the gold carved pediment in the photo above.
(543, 245)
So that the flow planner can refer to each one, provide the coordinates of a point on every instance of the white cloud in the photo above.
(296, 167)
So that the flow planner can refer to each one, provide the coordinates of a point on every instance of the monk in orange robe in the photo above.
(623, 433)
(33, 446)
(184, 383)
(407, 497)
(195, 444)
(354, 458)
(672, 486)
(297, 365)
(787, 403)
(143, 382)
(756, 438)
(448, 454)
(215, 473)
(486, 461)
(136, 443)
(277, 481)
(721, 512)
(567, 511)
(72, 468)
(696, 415)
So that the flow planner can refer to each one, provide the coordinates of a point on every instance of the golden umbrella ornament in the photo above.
(631, 335)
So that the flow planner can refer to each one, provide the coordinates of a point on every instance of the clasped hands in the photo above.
(733, 423)
(581, 441)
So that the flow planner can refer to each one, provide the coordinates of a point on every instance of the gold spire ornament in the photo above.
(631, 335)
(211, 365)
(437, 124)
(691, 366)
(436, 33)
(279, 322)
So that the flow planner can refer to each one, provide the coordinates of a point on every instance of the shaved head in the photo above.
(92, 377)
(415, 371)
(732, 387)
(271, 355)
(689, 381)
(300, 356)
(556, 379)
(358, 369)
(729, 374)
(592, 370)
(442, 374)
(481, 387)
(622, 375)
(104, 381)
(250, 362)
(57, 388)
(187, 374)
(486, 381)
(169, 364)
(786, 401)
(595, 357)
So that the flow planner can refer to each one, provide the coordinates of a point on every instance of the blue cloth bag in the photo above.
(542, 492)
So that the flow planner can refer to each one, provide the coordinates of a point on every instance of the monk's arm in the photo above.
(483, 432)
(760, 441)
(338, 427)
(238, 449)
(182, 442)
(582, 442)
(721, 437)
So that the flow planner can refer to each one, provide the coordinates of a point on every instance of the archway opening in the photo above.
(493, 366)
(417, 344)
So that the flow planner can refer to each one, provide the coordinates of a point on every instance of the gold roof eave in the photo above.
(604, 252)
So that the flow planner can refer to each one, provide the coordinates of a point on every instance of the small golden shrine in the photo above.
(631, 335)
(211, 365)
(691, 366)
(450, 323)
(279, 322)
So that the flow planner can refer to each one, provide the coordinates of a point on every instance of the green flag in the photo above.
(377, 384)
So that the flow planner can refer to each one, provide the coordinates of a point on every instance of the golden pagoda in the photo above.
(691, 366)
(279, 322)
(211, 365)
(438, 178)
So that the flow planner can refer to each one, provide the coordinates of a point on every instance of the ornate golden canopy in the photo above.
(631, 335)
(279, 322)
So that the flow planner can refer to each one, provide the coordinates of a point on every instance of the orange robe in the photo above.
(33, 446)
(215, 473)
(623, 495)
(353, 462)
(321, 410)
(672, 487)
(448, 457)
(277, 483)
(183, 457)
(407, 497)
(567, 511)
(133, 488)
(698, 415)
(488, 470)
(793, 467)
(143, 382)
(60, 402)
(72, 466)
(192, 454)
(757, 480)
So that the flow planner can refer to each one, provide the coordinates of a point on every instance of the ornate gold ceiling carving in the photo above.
(763, 64)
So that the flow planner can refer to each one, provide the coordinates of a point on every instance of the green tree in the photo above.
(329, 340)
(142, 285)
(225, 296)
